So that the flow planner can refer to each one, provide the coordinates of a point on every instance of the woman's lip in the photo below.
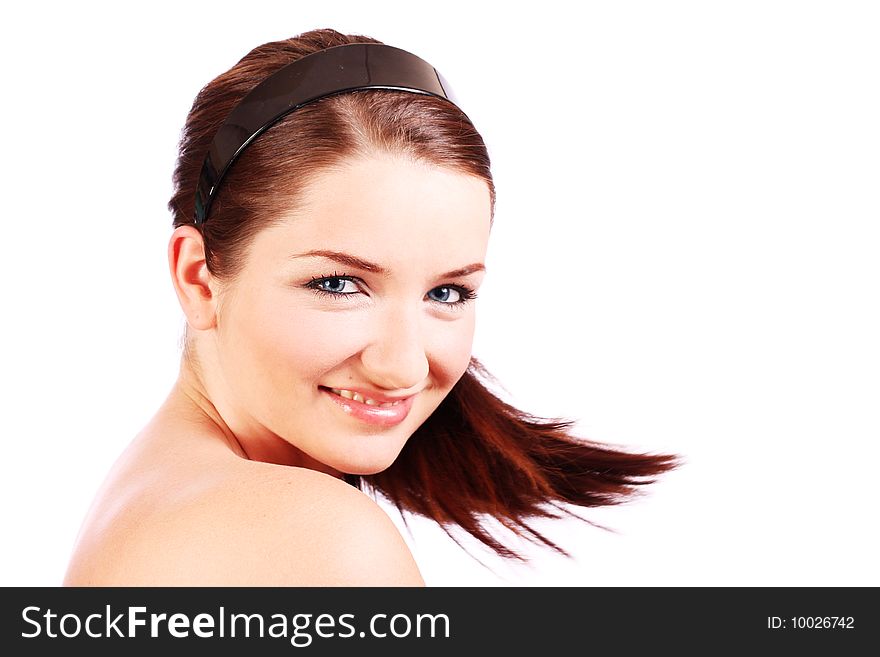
(383, 416)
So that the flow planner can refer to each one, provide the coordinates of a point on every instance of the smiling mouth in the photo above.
(385, 412)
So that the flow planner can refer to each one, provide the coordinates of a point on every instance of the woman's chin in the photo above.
(366, 464)
(365, 468)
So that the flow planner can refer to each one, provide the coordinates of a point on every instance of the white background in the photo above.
(686, 257)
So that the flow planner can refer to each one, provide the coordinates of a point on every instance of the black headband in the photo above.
(325, 73)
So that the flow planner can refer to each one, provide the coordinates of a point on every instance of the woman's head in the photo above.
(337, 258)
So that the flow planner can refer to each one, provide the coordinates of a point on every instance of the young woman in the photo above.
(332, 210)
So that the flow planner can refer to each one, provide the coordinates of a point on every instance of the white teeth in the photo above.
(356, 396)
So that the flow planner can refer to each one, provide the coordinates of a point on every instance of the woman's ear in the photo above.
(191, 278)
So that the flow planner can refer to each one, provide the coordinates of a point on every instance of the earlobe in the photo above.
(191, 278)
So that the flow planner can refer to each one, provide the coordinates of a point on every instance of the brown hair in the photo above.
(475, 455)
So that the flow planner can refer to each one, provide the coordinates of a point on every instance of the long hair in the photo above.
(475, 457)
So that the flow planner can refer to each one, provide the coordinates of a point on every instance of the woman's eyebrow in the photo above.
(366, 265)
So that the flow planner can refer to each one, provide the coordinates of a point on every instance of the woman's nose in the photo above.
(395, 358)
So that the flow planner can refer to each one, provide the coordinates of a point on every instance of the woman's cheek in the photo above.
(317, 340)
(449, 349)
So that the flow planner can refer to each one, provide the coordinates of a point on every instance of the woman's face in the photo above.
(354, 317)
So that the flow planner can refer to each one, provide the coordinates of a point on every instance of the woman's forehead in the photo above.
(383, 186)
(386, 207)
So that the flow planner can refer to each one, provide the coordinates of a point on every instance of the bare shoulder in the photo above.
(261, 526)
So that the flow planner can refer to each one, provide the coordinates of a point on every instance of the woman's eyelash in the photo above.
(465, 294)
(335, 279)
(320, 286)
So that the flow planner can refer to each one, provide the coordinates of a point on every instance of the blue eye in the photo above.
(338, 285)
(445, 294)
(452, 296)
